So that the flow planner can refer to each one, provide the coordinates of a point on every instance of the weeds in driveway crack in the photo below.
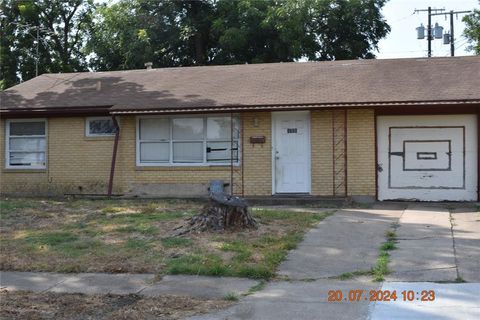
(258, 287)
(356, 273)
(452, 224)
(231, 296)
(380, 270)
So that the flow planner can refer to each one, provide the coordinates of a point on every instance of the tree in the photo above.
(343, 29)
(117, 38)
(8, 72)
(127, 34)
(60, 25)
(271, 31)
(124, 34)
(472, 30)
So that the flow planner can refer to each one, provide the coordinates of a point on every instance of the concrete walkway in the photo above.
(143, 284)
(347, 241)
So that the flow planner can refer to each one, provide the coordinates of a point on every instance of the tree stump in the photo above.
(222, 212)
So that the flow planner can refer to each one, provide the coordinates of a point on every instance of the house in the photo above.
(384, 129)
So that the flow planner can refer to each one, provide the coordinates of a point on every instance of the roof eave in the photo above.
(55, 112)
(124, 110)
(118, 110)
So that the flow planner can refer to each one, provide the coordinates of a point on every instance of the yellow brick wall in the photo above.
(130, 174)
(80, 164)
(75, 163)
(322, 162)
(257, 159)
(361, 152)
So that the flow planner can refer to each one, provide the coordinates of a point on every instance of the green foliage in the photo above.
(206, 264)
(176, 242)
(258, 287)
(345, 276)
(472, 30)
(51, 238)
(389, 245)
(10, 206)
(124, 34)
(137, 244)
(62, 32)
(381, 268)
(231, 296)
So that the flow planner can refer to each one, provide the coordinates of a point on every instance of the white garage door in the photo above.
(428, 158)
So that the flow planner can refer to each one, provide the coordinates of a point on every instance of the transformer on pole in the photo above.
(437, 31)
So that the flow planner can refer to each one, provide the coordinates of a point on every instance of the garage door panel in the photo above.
(427, 157)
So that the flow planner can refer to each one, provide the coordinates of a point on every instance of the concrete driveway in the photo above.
(437, 244)
(436, 249)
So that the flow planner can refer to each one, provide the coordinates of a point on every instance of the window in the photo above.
(186, 140)
(26, 144)
(100, 126)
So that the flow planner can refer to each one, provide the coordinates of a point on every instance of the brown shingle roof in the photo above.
(336, 82)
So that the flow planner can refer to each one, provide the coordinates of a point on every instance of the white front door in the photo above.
(291, 152)
(428, 158)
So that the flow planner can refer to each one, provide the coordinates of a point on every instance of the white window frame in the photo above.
(87, 127)
(171, 163)
(7, 143)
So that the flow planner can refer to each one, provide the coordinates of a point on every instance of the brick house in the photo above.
(384, 129)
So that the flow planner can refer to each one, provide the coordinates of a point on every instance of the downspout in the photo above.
(114, 155)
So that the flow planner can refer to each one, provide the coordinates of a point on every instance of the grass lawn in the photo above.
(133, 236)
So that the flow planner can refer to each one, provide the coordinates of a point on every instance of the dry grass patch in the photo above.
(26, 305)
(133, 236)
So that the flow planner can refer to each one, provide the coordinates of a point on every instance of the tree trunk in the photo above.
(222, 212)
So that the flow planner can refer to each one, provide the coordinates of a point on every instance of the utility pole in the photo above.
(429, 26)
(452, 37)
(429, 32)
(430, 37)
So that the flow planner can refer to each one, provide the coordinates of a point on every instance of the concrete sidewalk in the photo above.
(300, 300)
(308, 301)
(143, 284)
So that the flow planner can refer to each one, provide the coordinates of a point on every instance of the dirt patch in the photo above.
(26, 305)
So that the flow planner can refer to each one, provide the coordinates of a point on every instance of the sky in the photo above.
(402, 41)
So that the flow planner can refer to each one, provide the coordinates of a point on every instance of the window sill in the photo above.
(25, 170)
(184, 168)
(99, 138)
